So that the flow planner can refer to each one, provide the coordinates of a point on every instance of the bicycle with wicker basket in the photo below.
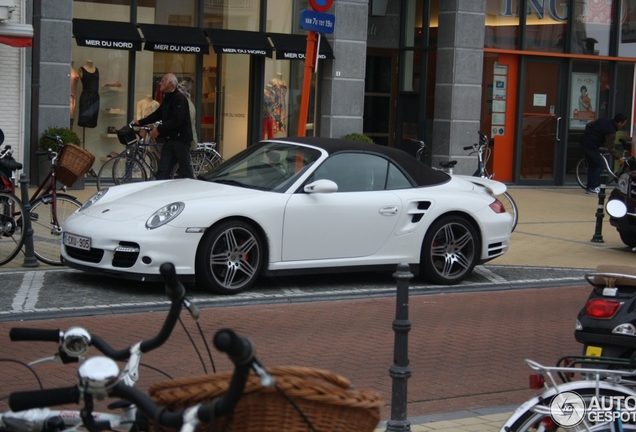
(138, 162)
(286, 398)
(49, 208)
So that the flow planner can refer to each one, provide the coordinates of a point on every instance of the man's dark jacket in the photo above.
(175, 118)
(601, 133)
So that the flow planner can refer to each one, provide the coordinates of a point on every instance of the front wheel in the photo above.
(450, 251)
(11, 232)
(200, 163)
(581, 173)
(128, 170)
(47, 217)
(230, 257)
(511, 207)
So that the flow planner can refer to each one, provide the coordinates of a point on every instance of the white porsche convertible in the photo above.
(293, 206)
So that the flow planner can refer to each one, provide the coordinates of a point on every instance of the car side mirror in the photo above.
(321, 186)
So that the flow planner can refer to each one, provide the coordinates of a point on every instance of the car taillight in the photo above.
(497, 206)
(536, 381)
(601, 309)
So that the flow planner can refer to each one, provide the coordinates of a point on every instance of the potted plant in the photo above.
(44, 164)
(357, 137)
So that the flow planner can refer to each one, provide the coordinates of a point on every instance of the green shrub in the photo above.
(357, 137)
(67, 135)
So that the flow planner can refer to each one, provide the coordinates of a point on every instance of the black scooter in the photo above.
(606, 326)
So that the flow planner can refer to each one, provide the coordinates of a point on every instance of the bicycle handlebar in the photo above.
(240, 350)
(175, 292)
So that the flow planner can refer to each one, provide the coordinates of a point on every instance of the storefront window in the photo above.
(99, 81)
(627, 47)
(170, 12)
(231, 14)
(592, 26)
(546, 26)
(502, 25)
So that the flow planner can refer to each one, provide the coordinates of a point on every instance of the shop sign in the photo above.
(597, 12)
(301, 56)
(243, 51)
(100, 43)
(187, 49)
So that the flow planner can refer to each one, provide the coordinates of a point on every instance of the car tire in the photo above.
(628, 238)
(450, 251)
(230, 257)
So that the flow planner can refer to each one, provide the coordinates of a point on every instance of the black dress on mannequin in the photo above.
(89, 99)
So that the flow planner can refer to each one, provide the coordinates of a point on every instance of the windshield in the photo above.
(268, 166)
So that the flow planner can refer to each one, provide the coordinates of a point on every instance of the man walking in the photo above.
(600, 133)
(175, 128)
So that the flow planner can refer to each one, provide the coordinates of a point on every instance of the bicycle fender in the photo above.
(497, 188)
(574, 386)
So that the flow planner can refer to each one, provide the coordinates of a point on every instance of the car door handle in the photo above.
(389, 210)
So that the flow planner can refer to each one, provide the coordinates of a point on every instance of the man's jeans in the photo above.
(595, 166)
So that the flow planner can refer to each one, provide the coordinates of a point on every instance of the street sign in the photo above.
(320, 5)
(316, 21)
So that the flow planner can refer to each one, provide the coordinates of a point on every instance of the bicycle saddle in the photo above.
(448, 164)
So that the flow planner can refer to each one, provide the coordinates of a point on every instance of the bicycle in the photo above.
(73, 345)
(136, 163)
(482, 150)
(612, 174)
(49, 210)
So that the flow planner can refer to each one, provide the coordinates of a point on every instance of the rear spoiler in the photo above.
(497, 188)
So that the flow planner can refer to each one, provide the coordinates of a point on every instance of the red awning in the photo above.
(16, 35)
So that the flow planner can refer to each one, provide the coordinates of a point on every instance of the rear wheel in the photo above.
(450, 251)
(105, 174)
(537, 418)
(11, 233)
(200, 163)
(47, 231)
(581, 173)
(230, 257)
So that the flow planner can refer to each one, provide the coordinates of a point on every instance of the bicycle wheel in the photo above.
(11, 233)
(127, 170)
(105, 176)
(200, 162)
(214, 157)
(537, 417)
(581, 173)
(511, 207)
(47, 231)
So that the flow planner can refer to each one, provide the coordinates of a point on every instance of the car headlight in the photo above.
(92, 200)
(164, 215)
(623, 183)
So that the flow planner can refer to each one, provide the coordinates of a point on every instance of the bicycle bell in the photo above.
(76, 341)
(98, 375)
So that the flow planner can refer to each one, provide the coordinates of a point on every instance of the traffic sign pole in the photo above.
(311, 60)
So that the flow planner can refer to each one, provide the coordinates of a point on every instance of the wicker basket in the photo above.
(74, 162)
(324, 397)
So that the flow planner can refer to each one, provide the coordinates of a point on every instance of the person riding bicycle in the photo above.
(600, 133)
(175, 128)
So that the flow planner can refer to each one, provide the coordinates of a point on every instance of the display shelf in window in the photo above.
(107, 135)
(112, 89)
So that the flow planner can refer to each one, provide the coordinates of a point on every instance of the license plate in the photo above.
(593, 351)
(76, 241)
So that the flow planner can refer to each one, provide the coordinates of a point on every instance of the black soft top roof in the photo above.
(420, 173)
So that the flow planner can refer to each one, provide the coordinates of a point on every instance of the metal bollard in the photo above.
(400, 371)
(29, 253)
(600, 211)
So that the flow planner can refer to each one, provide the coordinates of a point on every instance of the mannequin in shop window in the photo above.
(89, 99)
(74, 80)
(146, 106)
(268, 112)
(279, 91)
